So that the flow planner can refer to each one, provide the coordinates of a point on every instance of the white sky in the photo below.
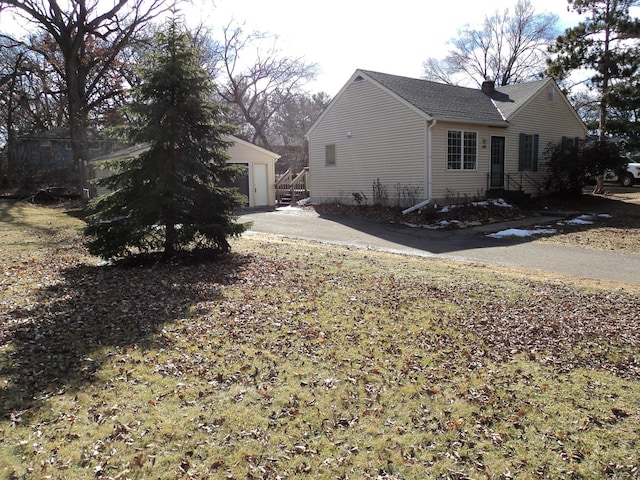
(394, 36)
(343, 35)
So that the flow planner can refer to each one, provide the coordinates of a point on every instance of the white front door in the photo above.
(260, 185)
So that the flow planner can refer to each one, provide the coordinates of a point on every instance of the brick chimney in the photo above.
(489, 86)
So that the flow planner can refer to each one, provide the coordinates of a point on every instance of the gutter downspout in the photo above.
(429, 163)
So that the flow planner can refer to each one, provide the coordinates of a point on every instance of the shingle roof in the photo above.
(510, 98)
(451, 102)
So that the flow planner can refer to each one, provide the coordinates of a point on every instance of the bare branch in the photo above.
(259, 89)
(508, 47)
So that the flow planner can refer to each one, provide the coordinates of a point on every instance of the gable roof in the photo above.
(445, 102)
(442, 101)
(122, 154)
(136, 150)
(253, 146)
(511, 98)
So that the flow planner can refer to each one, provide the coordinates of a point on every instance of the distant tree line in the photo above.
(76, 67)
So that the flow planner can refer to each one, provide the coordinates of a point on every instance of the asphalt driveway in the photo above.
(471, 244)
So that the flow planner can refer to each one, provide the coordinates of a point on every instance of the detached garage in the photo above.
(258, 184)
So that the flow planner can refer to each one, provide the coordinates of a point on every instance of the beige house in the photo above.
(258, 184)
(404, 141)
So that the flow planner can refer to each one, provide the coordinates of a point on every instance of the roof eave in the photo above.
(498, 124)
(405, 102)
(253, 146)
(364, 74)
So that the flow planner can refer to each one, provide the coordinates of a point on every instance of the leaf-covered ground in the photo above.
(292, 360)
(618, 231)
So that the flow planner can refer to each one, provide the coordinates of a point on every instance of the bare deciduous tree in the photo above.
(88, 35)
(259, 89)
(508, 48)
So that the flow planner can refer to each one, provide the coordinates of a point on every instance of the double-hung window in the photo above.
(462, 150)
(528, 153)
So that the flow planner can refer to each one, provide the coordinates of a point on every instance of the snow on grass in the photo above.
(432, 226)
(522, 233)
(289, 208)
(580, 220)
(584, 219)
(497, 202)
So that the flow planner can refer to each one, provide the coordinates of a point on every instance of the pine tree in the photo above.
(173, 197)
(606, 42)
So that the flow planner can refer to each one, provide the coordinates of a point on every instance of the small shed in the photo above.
(258, 184)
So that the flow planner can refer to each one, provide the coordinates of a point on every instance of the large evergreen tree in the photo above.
(624, 112)
(605, 43)
(174, 196)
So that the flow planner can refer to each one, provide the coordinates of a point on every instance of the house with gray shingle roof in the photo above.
(404, 141)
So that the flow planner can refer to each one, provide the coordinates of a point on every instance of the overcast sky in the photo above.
(389, 36)
(342, 35)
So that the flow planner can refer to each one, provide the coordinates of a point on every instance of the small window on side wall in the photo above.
(330, 154)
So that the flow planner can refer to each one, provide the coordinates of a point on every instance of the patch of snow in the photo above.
(581, 220)
(431, 226)
(304, 201)
(440, 224)
(518, 232)
(289, 209)
(498, 202)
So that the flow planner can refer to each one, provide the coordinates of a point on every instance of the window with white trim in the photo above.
(462, 150)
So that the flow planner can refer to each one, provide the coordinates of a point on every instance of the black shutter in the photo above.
(521, 162)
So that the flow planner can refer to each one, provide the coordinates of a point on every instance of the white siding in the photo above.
(98, 174)
(551, 120)
(240, 152)
(377, 137)
(451, 186)
(244, 152)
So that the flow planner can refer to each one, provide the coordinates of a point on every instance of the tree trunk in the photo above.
(79, 145)
(605, 70)
(170, 240)
(602, 137)
(78, 118)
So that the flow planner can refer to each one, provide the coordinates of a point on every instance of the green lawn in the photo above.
(296, 360)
